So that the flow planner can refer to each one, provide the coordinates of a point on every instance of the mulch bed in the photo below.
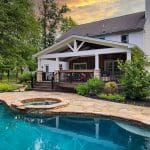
(145, 103)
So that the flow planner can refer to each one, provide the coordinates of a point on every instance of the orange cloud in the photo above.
(83, 11)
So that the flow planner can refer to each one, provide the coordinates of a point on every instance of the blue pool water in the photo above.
(20, 132)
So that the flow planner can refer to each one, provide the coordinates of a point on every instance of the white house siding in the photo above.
(114, 37)
(136, 38)
(51, 64)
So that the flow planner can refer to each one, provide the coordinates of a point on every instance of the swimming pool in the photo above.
(20, 132)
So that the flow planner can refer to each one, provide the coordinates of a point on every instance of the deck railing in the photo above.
(47, 76)
(75, 75)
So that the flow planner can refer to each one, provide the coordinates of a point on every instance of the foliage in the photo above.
(94, 84)
(82, 89)
(28, 88)
(25, 77)
(91, 86)
(19, 34)
(113, 97)
(67, 24)
(8, 87)
(110, 87)
(52, 15)
(135, 79)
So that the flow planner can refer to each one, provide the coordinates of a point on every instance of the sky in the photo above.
(84, 11)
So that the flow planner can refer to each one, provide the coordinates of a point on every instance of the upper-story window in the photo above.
(125, 38)
(102, 37)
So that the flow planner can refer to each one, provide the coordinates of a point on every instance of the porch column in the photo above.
(128, 55)
(57, 70)
(39, 72)
(97, 69)
(57, 63)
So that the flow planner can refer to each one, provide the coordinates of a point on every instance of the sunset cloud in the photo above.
(83, 11)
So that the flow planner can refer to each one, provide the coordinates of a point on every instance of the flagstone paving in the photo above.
(83, 106)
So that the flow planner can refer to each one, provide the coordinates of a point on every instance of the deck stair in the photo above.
(44, 86)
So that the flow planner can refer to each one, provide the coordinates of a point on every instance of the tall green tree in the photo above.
(67, 24)
(52, 15)
(19, 33)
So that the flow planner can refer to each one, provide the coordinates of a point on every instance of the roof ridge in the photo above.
(109, 18)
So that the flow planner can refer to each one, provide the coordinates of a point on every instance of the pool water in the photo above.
(20, 132)
(46, 102)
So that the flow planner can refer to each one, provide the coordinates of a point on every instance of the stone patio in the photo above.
(80, 105)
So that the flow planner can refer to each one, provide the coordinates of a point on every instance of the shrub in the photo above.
(7, 87)
(110, 87)
(94, 84)
(135, 79)
(113, 97)
(82, 89)
(25, 77)
(28, 88)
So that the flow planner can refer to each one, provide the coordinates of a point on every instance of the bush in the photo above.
(7, 87)
(135, 79)
(28, 88)
(91, 86)
(94, 85)
(110, 87)
(25, 77)
(82, 89)
(113, 97)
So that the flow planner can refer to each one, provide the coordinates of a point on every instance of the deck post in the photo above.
(97, 69)
(39, 76)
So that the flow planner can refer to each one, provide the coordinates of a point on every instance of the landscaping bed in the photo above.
(145, 103)
(8, 87)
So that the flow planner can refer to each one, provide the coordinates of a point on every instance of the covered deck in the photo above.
(77, 59)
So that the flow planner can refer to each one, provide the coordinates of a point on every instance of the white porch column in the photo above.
(57, 70)
(57, 63)
(128, 55)
(96, 62)
(97, 69)
(39, 72)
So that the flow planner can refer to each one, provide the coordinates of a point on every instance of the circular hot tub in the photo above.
(39, 103)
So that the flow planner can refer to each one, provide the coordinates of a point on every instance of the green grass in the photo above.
(112, 97)
(8, 87)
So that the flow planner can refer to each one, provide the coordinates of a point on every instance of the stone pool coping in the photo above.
(20, 105)
(79, 105)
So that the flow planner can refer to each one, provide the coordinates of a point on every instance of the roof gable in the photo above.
(70, 39)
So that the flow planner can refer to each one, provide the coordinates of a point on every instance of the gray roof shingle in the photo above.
(132, 22)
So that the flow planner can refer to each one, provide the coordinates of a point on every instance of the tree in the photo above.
(135, 79)
(19, 33)
(67, 24)
(52, 15)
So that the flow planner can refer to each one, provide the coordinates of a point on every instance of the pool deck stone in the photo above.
(79, 105)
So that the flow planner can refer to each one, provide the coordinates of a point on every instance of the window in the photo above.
(79, 66)
(125, 38)
(47, 68)
(102, 38)
(111, 67)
